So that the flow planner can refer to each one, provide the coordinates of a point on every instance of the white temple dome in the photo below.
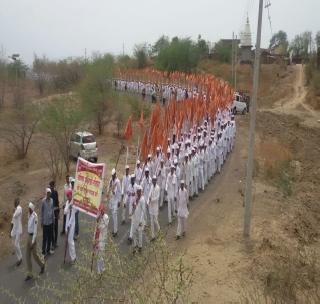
(245, 36)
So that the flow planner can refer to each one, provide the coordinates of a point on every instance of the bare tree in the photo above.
(18, 129)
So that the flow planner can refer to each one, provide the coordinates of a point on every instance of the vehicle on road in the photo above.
(83, 144)
(238, 105)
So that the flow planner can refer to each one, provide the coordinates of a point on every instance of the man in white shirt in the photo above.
(16, 230)
(182, 208)
(130, 201)
(138, 172)
(138, 219)
(162, 178)
(153, 206)
(32, 243)
(101, 237)
(171, 191)
(124, 188)
(115, 196)
(70, 212)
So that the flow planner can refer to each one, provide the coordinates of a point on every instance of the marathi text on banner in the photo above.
(88, 186)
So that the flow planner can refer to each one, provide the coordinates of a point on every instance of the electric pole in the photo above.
(235, 62)
(232, 60)
(248, 191)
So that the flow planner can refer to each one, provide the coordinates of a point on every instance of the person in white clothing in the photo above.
(182, 209)
(161, 178)
(70, 212)
(153, 206)
(16, 229)
(138, 219)
(130, 201)
(171, 192)
(124, 188)
(115, 197)
(32, 243)
(101, 237)
(138, 172)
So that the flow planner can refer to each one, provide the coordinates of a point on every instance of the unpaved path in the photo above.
(296, 105)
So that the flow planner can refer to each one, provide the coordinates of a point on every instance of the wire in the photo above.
(267, 6)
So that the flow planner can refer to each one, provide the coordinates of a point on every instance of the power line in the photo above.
(267, 6)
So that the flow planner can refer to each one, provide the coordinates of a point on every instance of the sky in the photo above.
(64, 28)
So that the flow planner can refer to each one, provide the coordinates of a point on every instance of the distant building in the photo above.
(246, 54)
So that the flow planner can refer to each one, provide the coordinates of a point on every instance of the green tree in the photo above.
(279, 42)
(203, 47)
(96, 90)
(162, 43)
(141, 54)
(301, 44)
(181, 55)
(223, 51)
(60, 119)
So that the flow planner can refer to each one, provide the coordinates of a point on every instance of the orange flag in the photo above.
(141, 122)
(128, 130)
(144, 146)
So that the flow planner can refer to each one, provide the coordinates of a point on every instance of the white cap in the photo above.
(132, 175)
(175, 161)
(168, 150)
(31, 206)
(182, 181)
(158, 148)
(113, 171)
(127, 167)
(138, 162)
(161, 160)
(149, 155)
(139, 188)
(146, 169)
(154, 177)
(173, 167)
(48, 190)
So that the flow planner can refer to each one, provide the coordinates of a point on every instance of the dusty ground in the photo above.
(286, 208)
(286, 192)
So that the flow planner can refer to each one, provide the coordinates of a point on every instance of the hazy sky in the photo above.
(62, 28)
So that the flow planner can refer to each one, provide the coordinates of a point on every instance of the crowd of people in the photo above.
(163, 92)
(196, 150)
(171, 177)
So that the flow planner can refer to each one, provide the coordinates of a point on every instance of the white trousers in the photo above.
(115, 220)
(201, 179)
(100, 262)
(195, 185)
(161, 198)
(182, 225)
(220, 162)
(16, 244)
(71, 245)
(137, 236)
(154, 224)
(171, 208)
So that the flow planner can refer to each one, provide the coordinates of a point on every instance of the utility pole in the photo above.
(232, 60)
(248, 192)
(235, 62)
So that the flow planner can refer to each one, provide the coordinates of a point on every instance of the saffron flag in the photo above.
(127, 135)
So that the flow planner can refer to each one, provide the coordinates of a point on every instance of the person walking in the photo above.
(153, 206)
(32, 243)
(70, 213)
(47, 219)
(138, 220)
(124, 189)
(56, 212)
(115, 196)
(182, 210)
(101, 239)
(66, 187)
(16, 229)
(171, 192)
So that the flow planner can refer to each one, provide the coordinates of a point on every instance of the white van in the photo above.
(84, 144)
(238, 105)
